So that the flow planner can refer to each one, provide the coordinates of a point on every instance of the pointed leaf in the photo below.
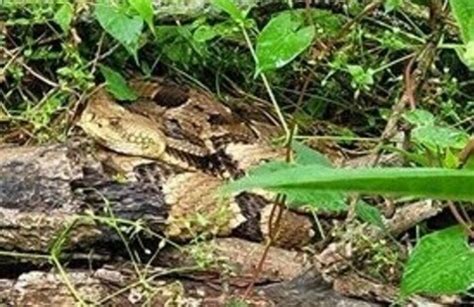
(145, 9)
(64, 15)
(116, 84)
(122, 27)
(230, 8)
(282, 40)
(422, 182)
(307, 156)
(463, 11)
(369, 214)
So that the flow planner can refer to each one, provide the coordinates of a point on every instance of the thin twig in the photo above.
(34, 73)
(273, 227)
(281, 118)
(367, 10)
(465, 225)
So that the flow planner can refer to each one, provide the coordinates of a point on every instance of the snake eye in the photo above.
(115, 121)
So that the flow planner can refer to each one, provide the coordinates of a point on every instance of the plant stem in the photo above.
(268, 88)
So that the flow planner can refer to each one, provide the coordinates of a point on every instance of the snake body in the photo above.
(188, 144)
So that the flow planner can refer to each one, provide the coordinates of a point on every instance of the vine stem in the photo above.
(268, 88)
(273, 227)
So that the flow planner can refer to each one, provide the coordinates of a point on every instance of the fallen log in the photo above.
(53, 194)
(115, 287)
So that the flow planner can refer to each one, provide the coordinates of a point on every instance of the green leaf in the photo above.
(145, 9)
(441, 263)
(327, 23)
(422, 182)
(282, 40)
(322, 200)
(122, 27)
(230, 8)
(116, 84)
(361, 78)
(468, 55)
(64, 15)
(435, 137)
(391, 5)
(420, 118)
(308, 156)
(463, 11)
(204, 33)
(369, 214)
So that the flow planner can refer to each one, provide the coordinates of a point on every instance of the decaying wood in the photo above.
(309, 289)
(410, 215)
(110, 286)
(241, 257)
(45, 191)
(354, 285)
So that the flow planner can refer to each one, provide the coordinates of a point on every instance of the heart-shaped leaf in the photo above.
(282, 40)
(125, 29)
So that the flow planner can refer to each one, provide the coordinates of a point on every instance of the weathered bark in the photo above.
(51, 192)
(309, 289)
(39, 200)
(235, 261)
(111, 287)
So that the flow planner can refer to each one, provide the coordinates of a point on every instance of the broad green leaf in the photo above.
(322, 200)
(369, 214)
(420, 118)
(64, 15)
(125, 29)
(231, 8)
(145, 9)
(391, 5)
(441, 263)
(282, 40)
(463, 11)
(468, 55)
(435, 137)
(422, 182)
(116, 84)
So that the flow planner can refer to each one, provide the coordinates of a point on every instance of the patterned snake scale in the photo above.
(186, 142)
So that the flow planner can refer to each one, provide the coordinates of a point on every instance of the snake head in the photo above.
(120, 130)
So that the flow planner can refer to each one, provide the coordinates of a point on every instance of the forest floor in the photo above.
(365, 84)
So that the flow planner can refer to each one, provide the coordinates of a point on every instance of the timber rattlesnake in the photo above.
(186, 144)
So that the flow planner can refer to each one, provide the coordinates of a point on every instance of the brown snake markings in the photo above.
(205, 141)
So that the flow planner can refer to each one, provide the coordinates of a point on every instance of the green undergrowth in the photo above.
(338, 73)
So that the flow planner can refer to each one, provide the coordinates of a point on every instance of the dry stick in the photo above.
(273, 228)
(31, 71)
(409, 86)
(390, 127)
(465, 225)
